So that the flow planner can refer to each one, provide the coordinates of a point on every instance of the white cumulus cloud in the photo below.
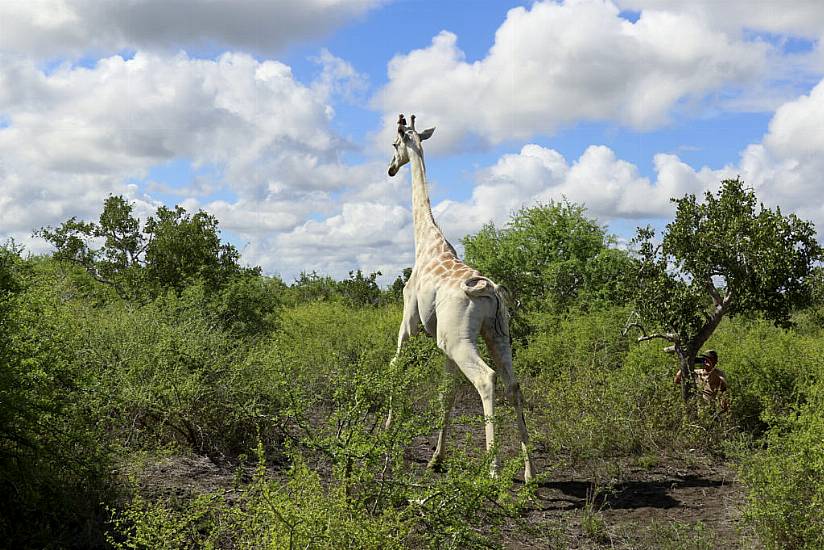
(48, 28)
(798, 17)
(786, 169)
(557, 64)
(75, 134)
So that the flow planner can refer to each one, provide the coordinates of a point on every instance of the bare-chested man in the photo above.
(711, 380)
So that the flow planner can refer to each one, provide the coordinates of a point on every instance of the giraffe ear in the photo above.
(426, 134)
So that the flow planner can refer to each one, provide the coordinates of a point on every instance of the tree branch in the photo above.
(633, 323)
(725, 303)
(713, 320)
(668, 336)
(97, 277)
(716, 296)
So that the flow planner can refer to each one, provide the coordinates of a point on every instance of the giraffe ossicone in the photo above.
(455, 304)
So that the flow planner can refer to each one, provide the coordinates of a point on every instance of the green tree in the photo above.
(11, 401)
(551, 256)
(395, 291)
(118, 261)
(172, 250)
(361, 290)
(312, 287)
(184, 247)
(724, 257)
(54, 462)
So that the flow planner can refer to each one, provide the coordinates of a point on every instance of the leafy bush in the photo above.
(54, 459)
(248, 305)
(348, 484)
(675, 535)
(330, 366)
(304, 511)
(770, 371)
(592, 339)
(592, 393)
(173, 250)
(786, 483)
(551, 257)
(166, 373)
(311, 287)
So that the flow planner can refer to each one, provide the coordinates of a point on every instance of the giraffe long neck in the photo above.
(427, 232)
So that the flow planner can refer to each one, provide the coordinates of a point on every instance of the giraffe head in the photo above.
(406, 138)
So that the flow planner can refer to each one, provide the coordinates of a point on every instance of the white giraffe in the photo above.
(455, 304)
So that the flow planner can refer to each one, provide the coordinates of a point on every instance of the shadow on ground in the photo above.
(622, 496)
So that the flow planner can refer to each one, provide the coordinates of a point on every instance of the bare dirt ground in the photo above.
(669, 502)
(670, 505)
(663, 501)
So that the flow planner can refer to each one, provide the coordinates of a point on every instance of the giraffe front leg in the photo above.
(447, 402)
(409, 327)
(402, 337)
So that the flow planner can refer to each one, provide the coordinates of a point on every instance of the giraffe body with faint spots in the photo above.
(455, 304)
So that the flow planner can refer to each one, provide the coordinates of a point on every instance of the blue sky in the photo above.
(276, 117)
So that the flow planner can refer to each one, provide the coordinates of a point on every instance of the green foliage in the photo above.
(348, 484)
(675, 535)
(305, 512)
(811, 319)
(622, 394)
(726, 256)
(592, 339)
(248, 305)
(466, 508)
(301, 512)
(361, 290)
(395, 291)
(311, 287)
(118, 261)
(168, 375)
(778, 379)
(182, 248)
(551, 257)
(173, 250)
(786, 482)
(54, 465)
(761, 258)
(770, 371)
(331, 367)
(358, 290)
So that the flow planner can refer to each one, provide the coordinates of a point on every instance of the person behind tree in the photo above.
(711, 380)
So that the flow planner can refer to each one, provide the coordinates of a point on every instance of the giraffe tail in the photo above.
(481, 286)
(502, 311)
(478, 286)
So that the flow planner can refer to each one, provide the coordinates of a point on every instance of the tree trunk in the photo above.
(686, 359)
(686, 376)
(687, 353)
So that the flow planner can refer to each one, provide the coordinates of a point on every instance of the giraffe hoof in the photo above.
(436, 465)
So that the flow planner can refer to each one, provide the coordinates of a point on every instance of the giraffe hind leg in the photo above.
(501, 351)
(466, 357)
